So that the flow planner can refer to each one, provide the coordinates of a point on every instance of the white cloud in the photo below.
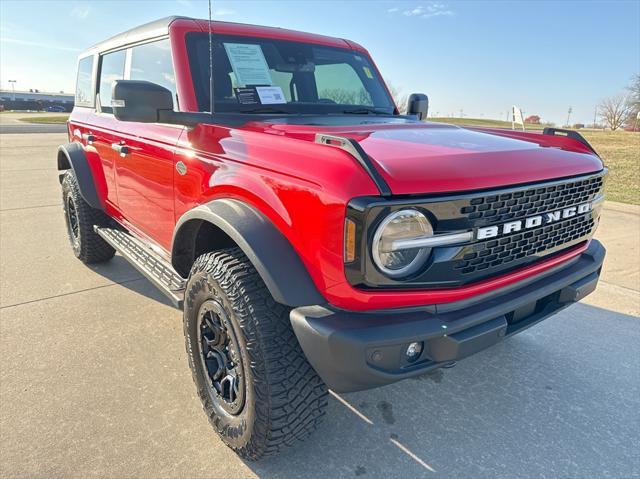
(170, 78)
(80, 11)
(437, 10)
(428, 11)
(414, 12)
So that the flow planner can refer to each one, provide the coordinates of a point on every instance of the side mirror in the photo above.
(418, 104)
(142, 101)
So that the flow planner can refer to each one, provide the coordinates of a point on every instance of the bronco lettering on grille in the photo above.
(531, 222)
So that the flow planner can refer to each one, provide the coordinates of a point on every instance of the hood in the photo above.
(415, 157)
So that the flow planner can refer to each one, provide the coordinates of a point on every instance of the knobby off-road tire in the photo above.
(279, 397)
(87, 245)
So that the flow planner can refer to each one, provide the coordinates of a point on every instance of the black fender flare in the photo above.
(72, 156)
(267, 248)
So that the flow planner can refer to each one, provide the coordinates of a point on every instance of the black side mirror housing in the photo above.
(141, 101)
(418, 105)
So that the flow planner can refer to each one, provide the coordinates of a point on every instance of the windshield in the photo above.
(261, 75)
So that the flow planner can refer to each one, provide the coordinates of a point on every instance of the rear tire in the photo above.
(80, 218)
(234, 329)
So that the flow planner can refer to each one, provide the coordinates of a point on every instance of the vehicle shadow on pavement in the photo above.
(553, 400)
(118, 268)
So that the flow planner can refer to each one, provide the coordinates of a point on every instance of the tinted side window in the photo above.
(111, 68)
(84, 82)
(152, 62)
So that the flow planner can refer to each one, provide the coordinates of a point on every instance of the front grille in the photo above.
(458, 265)
(496, 208)
(498, 253)
(489, 257)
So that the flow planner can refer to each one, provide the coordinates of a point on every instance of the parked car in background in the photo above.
(55, 108)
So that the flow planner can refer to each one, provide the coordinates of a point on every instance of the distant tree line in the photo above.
(621, 110)
(615, 112)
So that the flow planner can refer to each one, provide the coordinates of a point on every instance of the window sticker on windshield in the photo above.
(367, 72)
(270, 95)
(248, 64)
(247, 96)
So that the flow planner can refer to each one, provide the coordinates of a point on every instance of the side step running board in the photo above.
(155, 268)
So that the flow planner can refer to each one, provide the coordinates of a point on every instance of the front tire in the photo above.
(80, 218)
(257, 388)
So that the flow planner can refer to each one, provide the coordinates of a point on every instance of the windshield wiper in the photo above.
(365, 111)
(265, 110)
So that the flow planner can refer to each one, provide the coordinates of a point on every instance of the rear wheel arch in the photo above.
(227, 223)
(63, 160)
(72, 157)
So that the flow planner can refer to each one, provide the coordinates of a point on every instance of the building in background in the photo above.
(35, 100)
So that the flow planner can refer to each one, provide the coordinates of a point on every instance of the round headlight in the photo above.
(401, 225)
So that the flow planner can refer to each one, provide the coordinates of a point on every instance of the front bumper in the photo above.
(352, 351)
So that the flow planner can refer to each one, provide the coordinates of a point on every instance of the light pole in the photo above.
(13, 88)
(569, 115)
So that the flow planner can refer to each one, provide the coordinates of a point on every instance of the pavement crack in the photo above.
(27, 169)
(140, 278)
(30, 207)
(631, 290)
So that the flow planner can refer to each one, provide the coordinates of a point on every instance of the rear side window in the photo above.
(84, 82)
(152, 62)
(111, 69)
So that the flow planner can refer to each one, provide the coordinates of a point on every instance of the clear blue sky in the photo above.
(478, 56)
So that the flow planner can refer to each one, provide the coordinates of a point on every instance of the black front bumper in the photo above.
(352, 351)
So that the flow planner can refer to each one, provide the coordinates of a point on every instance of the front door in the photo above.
(144, 178)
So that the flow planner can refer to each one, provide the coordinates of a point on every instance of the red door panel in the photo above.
(95, 132)
(144, 178)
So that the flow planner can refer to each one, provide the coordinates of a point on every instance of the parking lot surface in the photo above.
(10, 123)
(94, 380)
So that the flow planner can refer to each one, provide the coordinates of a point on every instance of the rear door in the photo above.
(144, 153)
(102, 132)
(85, 127)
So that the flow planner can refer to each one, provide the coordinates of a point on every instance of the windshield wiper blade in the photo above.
(365, 111)
(265, 110)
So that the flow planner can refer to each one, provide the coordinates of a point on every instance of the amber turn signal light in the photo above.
(349, 241)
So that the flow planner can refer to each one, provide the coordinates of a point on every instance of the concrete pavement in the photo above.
(619, 287)
(94, 380)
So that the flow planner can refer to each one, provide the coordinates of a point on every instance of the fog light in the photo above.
(413, 351)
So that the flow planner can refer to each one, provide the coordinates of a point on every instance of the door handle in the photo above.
(121, 148)
(89, 138)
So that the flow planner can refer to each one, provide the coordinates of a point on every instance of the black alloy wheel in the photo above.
(80, 220)
(219, 353)
(72, 221)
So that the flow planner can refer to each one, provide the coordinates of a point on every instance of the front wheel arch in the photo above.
(227, 223)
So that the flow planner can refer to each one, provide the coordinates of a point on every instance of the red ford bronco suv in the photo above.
(315, 238)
